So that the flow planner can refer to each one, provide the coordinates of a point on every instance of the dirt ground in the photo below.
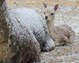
(38, 3)
(68, 13)
(70, 53)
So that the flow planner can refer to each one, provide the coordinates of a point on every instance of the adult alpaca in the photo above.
(32, 20)
(25, 35)
(18, 42)
(62, 34)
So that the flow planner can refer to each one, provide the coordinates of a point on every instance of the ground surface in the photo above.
(69, 53)
(65, 15)
(38, 3)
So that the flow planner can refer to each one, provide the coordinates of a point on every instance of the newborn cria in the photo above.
(62, 34)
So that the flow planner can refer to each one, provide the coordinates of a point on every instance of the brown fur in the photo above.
(13, 47)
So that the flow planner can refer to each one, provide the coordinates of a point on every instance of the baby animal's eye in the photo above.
(52, 13)
(44, 12)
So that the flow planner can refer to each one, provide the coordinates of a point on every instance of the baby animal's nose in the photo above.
(46, 17)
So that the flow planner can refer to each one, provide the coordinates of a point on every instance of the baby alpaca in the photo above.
(62, 34)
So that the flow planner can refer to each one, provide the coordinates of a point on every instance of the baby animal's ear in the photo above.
(56, 7)
(45, 5)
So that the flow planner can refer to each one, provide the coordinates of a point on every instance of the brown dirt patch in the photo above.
(36, 3)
